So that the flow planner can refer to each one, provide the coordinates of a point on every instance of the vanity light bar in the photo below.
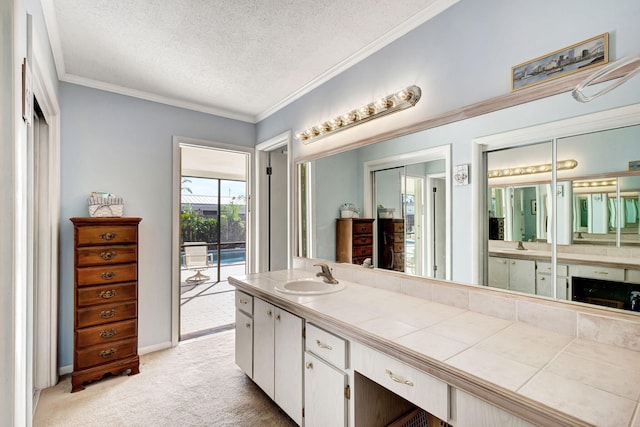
(596, 183)
(527, 170)
(400, 100)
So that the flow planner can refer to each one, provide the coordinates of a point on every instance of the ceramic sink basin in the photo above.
(308, 286)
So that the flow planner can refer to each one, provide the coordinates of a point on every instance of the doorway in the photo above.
(213, 230)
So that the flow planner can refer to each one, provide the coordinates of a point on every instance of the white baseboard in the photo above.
(64, 370)
(155, 347)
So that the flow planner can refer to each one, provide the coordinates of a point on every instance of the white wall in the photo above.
(461, 57)
(124, 145)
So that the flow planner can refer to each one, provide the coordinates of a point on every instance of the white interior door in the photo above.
(278, 219)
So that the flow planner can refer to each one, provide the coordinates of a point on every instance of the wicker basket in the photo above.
(104, 207)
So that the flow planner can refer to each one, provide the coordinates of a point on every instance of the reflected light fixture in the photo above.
(405, 98)
(527, 170)
(595, 183)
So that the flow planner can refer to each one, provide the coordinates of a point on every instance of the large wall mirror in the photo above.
(373, 205)
(563, 218)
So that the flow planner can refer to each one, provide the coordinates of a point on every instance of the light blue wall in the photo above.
(124, 145)
(461, 57)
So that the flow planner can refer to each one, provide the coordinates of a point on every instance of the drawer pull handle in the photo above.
(541, 277)
(105, 354)
(248, 325)
(108, 236)
(108, 294)
(243, 301)
(601, 272)
(399, 380)
(269, 313)
(277, 317)
(323, 345)
(108, 275)
(108, 255)
(108, 333)
(108, 314)
(309, 365)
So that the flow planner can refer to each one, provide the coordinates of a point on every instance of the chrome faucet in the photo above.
(326, 275)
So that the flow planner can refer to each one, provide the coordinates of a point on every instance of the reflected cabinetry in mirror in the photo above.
(354, 240)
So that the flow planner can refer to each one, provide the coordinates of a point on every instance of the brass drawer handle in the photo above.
(108, 314)
(108, 294)
(105, 354)
(399, 380)
(108, 275)
(108, 255)
(108, 333)
(243, 301)
(323, 345)
(309, 365)
(108, 236)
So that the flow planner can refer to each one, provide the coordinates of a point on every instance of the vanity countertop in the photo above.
(602, 259)
(543, 373)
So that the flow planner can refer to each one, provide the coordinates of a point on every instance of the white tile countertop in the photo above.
(554, 369)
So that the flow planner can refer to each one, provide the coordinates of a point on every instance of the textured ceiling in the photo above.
(241, 59)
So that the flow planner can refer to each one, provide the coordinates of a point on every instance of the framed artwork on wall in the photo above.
(577, 57)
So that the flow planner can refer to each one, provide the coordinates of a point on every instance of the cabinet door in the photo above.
(263, 346)
(324, 399)
(522, 275)
(498, 272)
(544, 285)
(288, 363)
(244, 342)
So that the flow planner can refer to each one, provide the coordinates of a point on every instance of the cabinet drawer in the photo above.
(106, 274)
(562, 270)
(633, 276)
(92, 295)
(327, 346)
(398, 227)
(596, 272)
(244, 302)
(101, 314)
(362, 228)
(363, 239)
(398, 248)
(106, 235)
(106, 255)
(99, 354)
(99, 335)
(362, 251)
(427, 392)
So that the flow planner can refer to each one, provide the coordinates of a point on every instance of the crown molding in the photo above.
(148, 96)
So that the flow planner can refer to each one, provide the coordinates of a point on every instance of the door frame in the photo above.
(179, 141)
(261, 194)
(442, 152)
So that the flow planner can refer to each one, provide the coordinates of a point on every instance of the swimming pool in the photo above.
(227, 256)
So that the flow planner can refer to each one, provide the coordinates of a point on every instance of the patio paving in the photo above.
(207, 307)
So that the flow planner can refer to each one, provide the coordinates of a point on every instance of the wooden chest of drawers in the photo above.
(105, 298)
(391, 244)
(354, 239)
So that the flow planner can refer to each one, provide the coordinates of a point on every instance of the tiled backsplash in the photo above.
(591, 323)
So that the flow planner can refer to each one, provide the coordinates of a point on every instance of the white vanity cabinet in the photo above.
(474, 412)
(326, 385)
(514, 274)
(244, 332)
(277, 356)
(419, 388)
(544, 280)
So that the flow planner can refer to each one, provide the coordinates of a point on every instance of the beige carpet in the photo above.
(194, 384)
